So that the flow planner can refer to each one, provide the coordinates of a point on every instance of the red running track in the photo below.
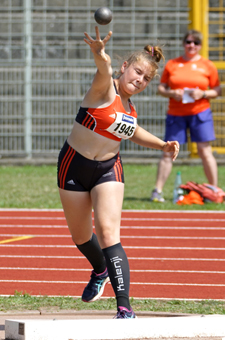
(172, 254)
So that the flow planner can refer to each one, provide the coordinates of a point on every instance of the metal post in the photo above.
(28, 78)
(205, 28)
(198, 17)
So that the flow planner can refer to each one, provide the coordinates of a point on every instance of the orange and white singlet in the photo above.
(112, 122)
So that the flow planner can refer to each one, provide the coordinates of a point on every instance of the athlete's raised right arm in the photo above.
(102, 81)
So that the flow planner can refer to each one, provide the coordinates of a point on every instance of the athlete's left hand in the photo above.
(172, 147)
(97, 45)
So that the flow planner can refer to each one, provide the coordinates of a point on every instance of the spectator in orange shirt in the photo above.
(189, 82)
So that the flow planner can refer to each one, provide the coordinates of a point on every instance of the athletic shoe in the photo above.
(94, 289)
(157, 196)
(124, 313)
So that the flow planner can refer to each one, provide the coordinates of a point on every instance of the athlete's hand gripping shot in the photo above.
(90, 171)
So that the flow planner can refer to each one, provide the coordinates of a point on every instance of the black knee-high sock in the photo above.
(119, 273)
(93, 252)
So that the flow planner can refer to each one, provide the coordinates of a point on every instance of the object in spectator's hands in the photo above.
(103, 16)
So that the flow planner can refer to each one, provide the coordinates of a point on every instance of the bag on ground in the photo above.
(210, 193)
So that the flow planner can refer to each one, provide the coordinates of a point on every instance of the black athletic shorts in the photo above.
(77, 173)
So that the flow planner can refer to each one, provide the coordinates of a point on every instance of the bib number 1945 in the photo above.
(126, 130)
(123, 126)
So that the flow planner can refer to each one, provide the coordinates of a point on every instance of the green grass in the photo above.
(22, 301)
(140, 180)
(29, 187)
(35, 187)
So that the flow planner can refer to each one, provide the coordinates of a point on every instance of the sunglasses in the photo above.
(188, 42)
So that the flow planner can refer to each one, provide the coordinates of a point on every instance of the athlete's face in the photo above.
(192, 46)
(136, 76)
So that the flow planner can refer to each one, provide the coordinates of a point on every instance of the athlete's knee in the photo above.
(108, 237)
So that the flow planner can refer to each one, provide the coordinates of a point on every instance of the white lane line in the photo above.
(124, 211)
(172, 228)
(36, 235)
(179, 284)
(172, 219)
(51, 226)
(122, 236)
(125, 247)
(132, 283)
(175, 259)
(129, 258)
(43, 257)
(55, 218)
(162, 219)
(132, 270)
(174, 237)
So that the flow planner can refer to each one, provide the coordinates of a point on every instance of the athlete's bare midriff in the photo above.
(92, 145)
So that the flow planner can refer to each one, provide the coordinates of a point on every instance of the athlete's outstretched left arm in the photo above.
(146, 139)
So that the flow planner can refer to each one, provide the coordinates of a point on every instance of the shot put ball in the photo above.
(103, 16)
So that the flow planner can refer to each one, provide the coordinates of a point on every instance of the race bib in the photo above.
(123, 126)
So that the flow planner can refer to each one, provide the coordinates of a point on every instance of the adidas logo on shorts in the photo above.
(71, 182)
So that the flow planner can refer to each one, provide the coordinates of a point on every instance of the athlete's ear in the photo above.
(124, 66)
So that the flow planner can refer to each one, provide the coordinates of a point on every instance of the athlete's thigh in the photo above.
(77, 208)
(107, 199)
